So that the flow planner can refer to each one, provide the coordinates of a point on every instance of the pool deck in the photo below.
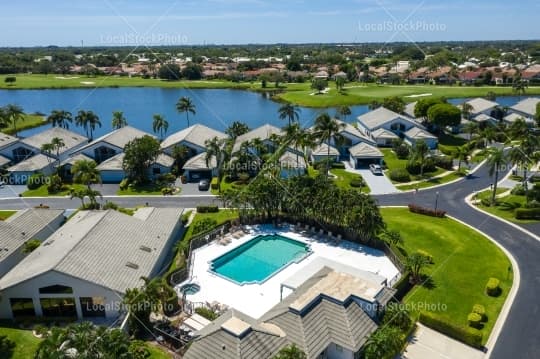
(256, 299)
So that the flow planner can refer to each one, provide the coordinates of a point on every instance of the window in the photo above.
(56, 289)
(58, 307)
(156, 170)
(92, 307)
(103, 153)
(21, 153)
(22, 307)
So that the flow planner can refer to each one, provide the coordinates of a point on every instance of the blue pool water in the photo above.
(259, 259)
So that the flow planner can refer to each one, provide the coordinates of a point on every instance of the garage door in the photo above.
(195, 176)
(112, 176)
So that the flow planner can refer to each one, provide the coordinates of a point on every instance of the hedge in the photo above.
(414, 168)
(400, 175)
(35, 181)
(207, 209)
(527, 213)
(469, 336)
(214, 183)
(426, 211)
(357, 182)
(493, 288)
(444, 162)
(403, 286)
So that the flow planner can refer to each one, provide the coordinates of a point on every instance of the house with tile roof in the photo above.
(379, 123)
(72, 142)
(112, 170)
(84, 268)
(193, 137)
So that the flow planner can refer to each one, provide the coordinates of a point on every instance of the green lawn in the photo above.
(505, 207)
(464, 260)
(26, 343)
(144, 190)
(226, 185)
(392, 162)
(42, 191)
(449, 143)
(6, 214)
(157, 353)
(29, 121)
(433, 181)
(344, 178)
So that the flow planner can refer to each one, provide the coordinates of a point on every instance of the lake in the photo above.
(215, 108)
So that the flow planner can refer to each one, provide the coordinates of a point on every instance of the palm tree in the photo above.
(60, 118)
(180, 155)
(519, 86)
(382, 343)
(462, 154)
(496, 158)
(216, 148)
(420, 154)
(415, 263)
(466, 110)
(525, 155)
(327, 129)
(47, 149)
(86, 172)
(57, 144)
(397, 315)
(470, 128)
(160, 124)
(118, 120)
(296, 137)
(289, 112)
(13, 114)
(236, 129)
(488, 135)
(344, 111)
(290, 352)
(185, 104)
(88, 120)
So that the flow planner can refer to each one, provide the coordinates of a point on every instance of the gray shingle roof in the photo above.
(34, 163)
(72, 159)
(4, 161)
(377, 118)
(483, 118)
(115, 163)
(6, 140)
(527, 106)
(365, 150)
(197, 134)
(120, 137)
(382, 133)
(198, 162)
(264, 132)
(419, 134)
(95, 246)
(481, 105)
(23, 226)
(291, 160)
(71, 139)
(322, 150)
(350, 129)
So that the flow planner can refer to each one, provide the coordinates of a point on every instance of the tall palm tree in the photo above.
(289, 112)
(420, 154)
(290, 352)
(88, 120)
(327, 129)
(470, 128)
(295, 136)
(496, 158)
(85, 172)
(60, 118)
(462, 154)
(216, 148)
(57, 144)
(519, 86)
(47, 149)
(185, 105)
(466, 110)
(236, 129)
(160, 124)
(14, 113)
(525, 155)
(344, 111)
(118, 120)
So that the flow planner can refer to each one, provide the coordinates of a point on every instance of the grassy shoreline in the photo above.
(298, 93)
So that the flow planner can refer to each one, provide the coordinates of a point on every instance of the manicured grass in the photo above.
(356, 93)
(157, 353)
(42, 191)
(6, 214)
(393, 162)
(344, 178)
(26, 343)
(505, 207)
(29, 121)
(144, 190)
(449, 143)
(464, 260)
(433, 181)
(226, 185)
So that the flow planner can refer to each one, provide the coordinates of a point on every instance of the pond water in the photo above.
(215, 108)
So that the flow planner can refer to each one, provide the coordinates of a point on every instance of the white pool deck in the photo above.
(256, 299)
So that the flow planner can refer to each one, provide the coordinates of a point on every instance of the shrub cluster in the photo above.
(338, 165)
(214, 183)
(470, 336)
(426, 254)
(426, 211)
(204, 225)
(493, 288)
(444, 162)
(527, 213)
(206, 313)
(208, 209)
(400, 175)
(414, 168)
(402, 151)
(357, 182)
(35, 181)
(475, 320)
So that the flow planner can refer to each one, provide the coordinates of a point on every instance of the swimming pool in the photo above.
(259, 259)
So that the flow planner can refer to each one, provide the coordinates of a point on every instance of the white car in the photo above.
(375, 169)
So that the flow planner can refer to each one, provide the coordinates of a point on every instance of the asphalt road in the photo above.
(519, 337)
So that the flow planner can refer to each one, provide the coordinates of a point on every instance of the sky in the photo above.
(186, 22)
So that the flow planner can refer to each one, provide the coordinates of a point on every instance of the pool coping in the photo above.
(308, 253)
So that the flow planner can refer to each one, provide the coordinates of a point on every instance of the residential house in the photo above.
(324, 152)
(267, 134)
(111, 144)
(364, 154)
(112, 170)
(72, 142)
(84, 268)
(21, 227)
(15, 150)
(386, 120)
(21, 172)
(330, 315)
(416, 134)
(193, 137)
(4, 162)
(197, 167)
(481, 106)
(526, 108)
(64, 168)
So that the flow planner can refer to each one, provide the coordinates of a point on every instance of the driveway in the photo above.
(378, 184)
(192, 189)
(10, 191)
(429, 344)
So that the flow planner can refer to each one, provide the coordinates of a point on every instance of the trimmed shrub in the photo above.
(338, 165)
(527, 213)
(357, 182)
(444, 162)
(204, 225)
(426, 254)
(206, 313)
(402, 151)
(166, 178)
(493, 288)
(185, 217)
(414, 168)
(54, 184)
(35, 181)
(469, 336)
(167, 191)
(480, 310)
(124, 184)
(518, 190)
(208, 209)
(214, 183)
(400, 175)
(426, 211)
(475, 320)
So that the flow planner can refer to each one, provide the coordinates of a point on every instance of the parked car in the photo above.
(204, 185)
(375, 169)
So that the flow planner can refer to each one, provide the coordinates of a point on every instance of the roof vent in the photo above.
(145, 248)
(132, 265)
